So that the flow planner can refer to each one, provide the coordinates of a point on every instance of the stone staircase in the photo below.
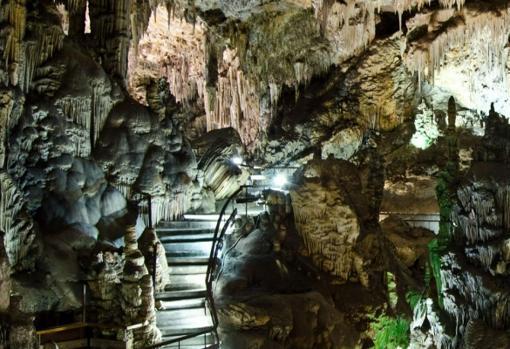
(183, 304)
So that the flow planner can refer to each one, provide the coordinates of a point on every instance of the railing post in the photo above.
(154, 265)
(87, 331)
(246, 201)
(84, 303)
(149, 210)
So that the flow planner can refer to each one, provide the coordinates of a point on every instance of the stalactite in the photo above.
(124, 189)
(76, 109)
(275, 91)
(101, 105)
(74, 6)
(49, 39)
(426, 56)
(111, 28)
(234, 102)
(16, 226)
(13, 52)
(167, 208)
(6, 122)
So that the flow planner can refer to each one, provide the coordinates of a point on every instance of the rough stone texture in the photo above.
(137, 293)
(19, 236)
(329, 207)
(372, 92)
(22, 330)
(217, 151)
(138, 155)
(122, 291)
(410, 243)
(329, 232)
(5, 279)
(343, 144)
(149, 245)
(264, 301)
(474, 267)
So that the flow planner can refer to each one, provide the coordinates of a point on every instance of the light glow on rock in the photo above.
(237, 160)
(426, 128)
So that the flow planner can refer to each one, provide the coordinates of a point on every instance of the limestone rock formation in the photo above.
(18, 227)
(109, 106)
(331, 233)
(122, 292)
(154, 252)
(219, 150)
(410, 243)
(284, 313)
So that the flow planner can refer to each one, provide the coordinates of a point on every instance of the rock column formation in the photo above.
(137, 293)
(329, 209)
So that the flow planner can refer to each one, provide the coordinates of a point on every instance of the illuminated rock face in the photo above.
(329, 229)
(104, 103)
(329, 206)
(285, 313)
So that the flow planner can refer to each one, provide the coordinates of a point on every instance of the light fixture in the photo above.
(237, 160)
(280, 180)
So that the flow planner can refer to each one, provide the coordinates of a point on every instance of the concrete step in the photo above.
(183, 304)
(194, 247)
(180, 294)
(200, 341)
(173, 331)
(179, 236)
(187, 260)
(183, 231)
(206, 217)
(201, 223)
(167, 331)
(182, 316)
(197, 346)
(175, 257)
(183, 282)
(187, 269)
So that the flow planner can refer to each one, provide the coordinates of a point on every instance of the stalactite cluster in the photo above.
(13, 14)
(470, 26)
(16, 224)
(111, 28)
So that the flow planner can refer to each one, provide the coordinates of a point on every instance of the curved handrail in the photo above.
(78, 325)
(214, 254)
(215, 248)
(217, 229)
(211, 268)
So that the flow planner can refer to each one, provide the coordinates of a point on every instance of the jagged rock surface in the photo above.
(333, 234)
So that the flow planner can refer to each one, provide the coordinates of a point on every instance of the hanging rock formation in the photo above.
(333, 235)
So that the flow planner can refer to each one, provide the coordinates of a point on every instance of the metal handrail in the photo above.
(412, 217)
(86, 326)
(77, 325)
(215, 248)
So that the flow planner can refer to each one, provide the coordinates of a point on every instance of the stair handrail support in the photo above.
(215, 248)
